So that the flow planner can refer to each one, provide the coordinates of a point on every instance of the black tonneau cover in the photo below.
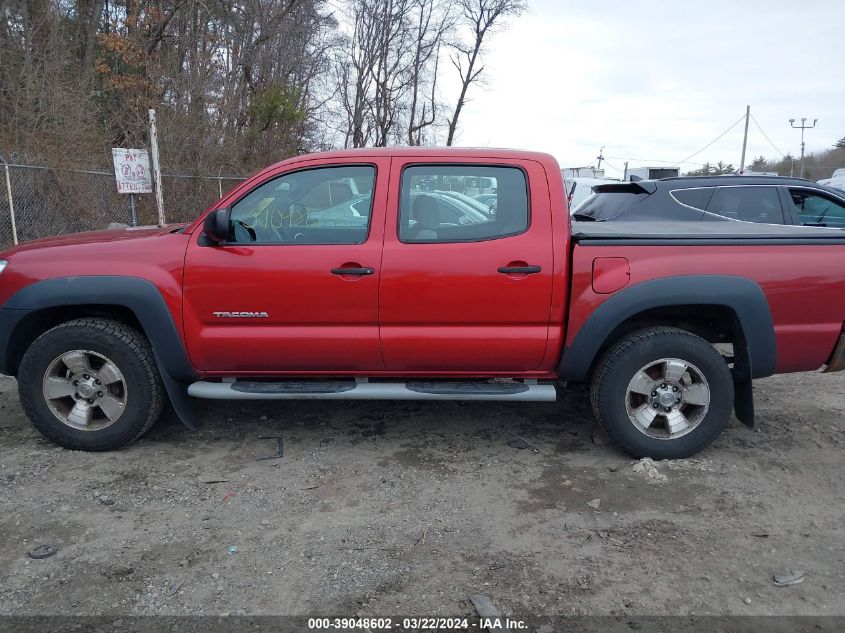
(713, 232)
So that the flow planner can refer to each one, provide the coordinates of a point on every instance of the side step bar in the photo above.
(348, 390)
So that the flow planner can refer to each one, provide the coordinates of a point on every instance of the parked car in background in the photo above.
(579, 189)
(472, 201)
(762, 199)
(489, 200)
(837, 180)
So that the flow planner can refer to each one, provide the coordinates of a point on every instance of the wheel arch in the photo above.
(42, 305)
(697, 303)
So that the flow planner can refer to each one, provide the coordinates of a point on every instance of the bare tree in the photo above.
(481, 17)
(387, 73)
(433, 20)
(354, 72)
(236, 83)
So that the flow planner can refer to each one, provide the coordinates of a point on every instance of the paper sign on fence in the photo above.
(132, 170)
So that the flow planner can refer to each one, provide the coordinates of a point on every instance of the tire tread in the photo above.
(612, 357)
(135, 342)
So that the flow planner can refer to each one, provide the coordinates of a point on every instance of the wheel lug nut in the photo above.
(656, 406)
(99, 383)
(653, 394)
(674, 388)
(75, 383)
(99, 394)
(86, 376)
(662, 386)
(667, 409)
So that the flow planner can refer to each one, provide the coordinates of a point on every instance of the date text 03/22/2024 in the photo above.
(497, 623)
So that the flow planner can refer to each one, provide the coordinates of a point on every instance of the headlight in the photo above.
(3, 263)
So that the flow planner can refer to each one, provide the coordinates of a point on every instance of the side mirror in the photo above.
(215, 228)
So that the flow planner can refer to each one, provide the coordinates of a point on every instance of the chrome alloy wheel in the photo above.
(667, 398)
(85, 390)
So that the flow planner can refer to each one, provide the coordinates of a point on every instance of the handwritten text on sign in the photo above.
(132, 170)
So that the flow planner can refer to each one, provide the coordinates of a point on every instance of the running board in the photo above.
(348, 390)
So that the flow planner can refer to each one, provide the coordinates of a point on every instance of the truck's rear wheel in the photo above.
(91, 384)
(663, 393)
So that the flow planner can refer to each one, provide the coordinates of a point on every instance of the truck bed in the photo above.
(800, 270)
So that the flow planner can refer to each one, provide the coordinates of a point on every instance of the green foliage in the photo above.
(817, 165)
(277, 106)
(759, 164)
(709, 169)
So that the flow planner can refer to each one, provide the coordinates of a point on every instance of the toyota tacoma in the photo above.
(360, 275)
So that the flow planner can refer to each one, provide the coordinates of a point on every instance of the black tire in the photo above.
(619, 365)
(127, 348)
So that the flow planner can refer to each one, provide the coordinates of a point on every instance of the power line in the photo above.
(766, 137)
(653, 160)
(711, 142)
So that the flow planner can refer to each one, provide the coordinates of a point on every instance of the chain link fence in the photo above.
(38, 201)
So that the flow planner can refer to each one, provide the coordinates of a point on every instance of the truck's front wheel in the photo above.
(663, 393)
(91, 384)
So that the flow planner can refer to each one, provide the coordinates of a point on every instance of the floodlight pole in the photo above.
(744, 141)
(802, 127)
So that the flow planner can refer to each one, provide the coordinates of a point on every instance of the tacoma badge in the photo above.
(241, 315)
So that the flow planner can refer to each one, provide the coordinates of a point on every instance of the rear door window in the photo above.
(815, 209)
(748, 204)
(437, 203)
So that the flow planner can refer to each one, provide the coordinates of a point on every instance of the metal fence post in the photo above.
(11, 203)
(133, 214)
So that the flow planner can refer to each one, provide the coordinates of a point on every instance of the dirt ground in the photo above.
(385, 508)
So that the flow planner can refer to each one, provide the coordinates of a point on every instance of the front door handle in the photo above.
(520, 270)
(353, 271)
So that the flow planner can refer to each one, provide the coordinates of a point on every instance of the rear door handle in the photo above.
(353, 271)
(520, 270)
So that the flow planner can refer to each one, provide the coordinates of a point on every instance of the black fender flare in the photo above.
(744, 297)
(140, 296)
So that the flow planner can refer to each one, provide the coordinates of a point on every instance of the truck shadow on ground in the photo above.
(566, 424)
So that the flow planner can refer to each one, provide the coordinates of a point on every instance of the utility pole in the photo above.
(802, 127)
(600, 157)
(744, 141)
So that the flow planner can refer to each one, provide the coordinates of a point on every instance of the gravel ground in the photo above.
(387, 508)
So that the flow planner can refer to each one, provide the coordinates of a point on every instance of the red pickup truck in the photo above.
(432, 274)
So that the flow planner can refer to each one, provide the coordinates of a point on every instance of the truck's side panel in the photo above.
(802, 285)
(448, 306)
(310, 318)
(739, 297)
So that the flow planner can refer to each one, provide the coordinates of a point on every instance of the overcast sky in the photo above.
(660, 80)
